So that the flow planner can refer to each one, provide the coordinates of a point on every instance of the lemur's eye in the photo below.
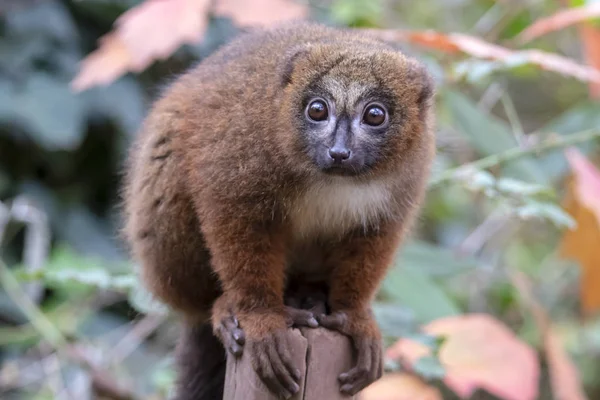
(317, 111)
(374, 115)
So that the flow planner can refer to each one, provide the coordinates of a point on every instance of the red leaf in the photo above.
(587, 181)
(564, 377)
(590, 36)
(400, 386)
(111, 60)
(456, 42)
(560, 20)
(152, 30)
(581, 244)
(479, 352)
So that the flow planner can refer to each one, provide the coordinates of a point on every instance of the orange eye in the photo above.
(374, 115)
(317, 111)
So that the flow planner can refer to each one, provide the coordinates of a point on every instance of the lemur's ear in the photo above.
(291, 59)
(422, 78)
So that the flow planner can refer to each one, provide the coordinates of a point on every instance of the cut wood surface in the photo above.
(321, 355)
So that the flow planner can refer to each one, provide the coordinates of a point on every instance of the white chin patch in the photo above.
(334, 206)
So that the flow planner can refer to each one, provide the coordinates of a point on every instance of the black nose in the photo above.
(339, 154)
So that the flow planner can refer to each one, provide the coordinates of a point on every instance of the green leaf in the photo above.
(549, 211)
(429, 367)
(477, 180)
(66, 268)
(434, 343)
(577, 119)
(473, 70)
(434, 261)
(394, 320)
(144, 302)
(47, 110)
(19, 54)
(415, 290)
(96, 277)
(164, 376)
(488, 134)
(9, 310)
(48, 18)
(522, 189)
(357, 12)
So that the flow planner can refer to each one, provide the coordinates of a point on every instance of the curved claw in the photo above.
(296, 317)
(369, 367)
(369, 361)
(232, 335)
(233, 338)
(273, 364)
(336, 321)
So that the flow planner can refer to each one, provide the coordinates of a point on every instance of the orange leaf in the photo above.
(590, 36)
(111, 60)
(456, 42)
(260, 12)
(587, 181)
(582, 243)
(560, 20)
(479, 352)
(564, 377)
(400, 386)
(152, 30)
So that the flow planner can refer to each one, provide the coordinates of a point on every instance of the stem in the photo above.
(513, 154)
(38, 320)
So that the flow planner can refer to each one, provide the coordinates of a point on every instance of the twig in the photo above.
(473, 243)
(37, 240)
(51, 367)
(103, 382)
(38, 320)
(37, 237)
(491, 96)
(136, 335)
(513, 118)
(514, 154)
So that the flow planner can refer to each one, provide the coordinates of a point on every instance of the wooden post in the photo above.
(321, 355)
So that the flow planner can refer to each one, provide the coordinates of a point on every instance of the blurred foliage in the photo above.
(65, 151)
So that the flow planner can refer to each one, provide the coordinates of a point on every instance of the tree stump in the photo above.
(321, 355)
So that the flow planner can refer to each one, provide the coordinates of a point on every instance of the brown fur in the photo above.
(219, 183)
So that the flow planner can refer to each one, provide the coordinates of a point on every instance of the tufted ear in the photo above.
(420, 76)
(290, 61)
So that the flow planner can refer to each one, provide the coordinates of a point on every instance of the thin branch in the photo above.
(513, 118)
(38, 320)
(475, 241)
(51, 367)
(514, 154)
(103, 382)
(132, 340)
(37, 240)
(491, 96)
